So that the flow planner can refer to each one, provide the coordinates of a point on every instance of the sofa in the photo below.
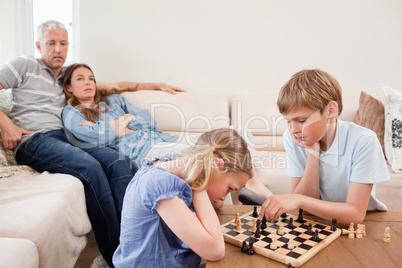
(43, 220)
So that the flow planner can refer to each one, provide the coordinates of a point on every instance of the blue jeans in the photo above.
(104, 173)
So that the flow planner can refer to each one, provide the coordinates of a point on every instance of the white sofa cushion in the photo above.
(49, 210)
(17, 253)
(190, 112)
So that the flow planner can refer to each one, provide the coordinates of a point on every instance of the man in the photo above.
(37, 136)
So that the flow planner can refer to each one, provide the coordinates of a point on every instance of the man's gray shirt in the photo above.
(37, 95)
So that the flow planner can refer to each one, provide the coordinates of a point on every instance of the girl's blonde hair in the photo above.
(313, 89)
(225, 144)
(94, 112)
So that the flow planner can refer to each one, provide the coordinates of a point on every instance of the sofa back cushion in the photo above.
(259, 114)
(183, 112)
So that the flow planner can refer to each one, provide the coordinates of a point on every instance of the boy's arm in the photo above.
(309, 184)
(133, 86)
(353, 210)
(200, 231)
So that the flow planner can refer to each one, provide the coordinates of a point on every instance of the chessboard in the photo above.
(305, 245)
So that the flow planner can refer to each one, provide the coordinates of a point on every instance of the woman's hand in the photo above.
(87, 123)
(121, 124)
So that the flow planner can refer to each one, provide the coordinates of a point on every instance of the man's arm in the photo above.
(133, 86)
(10, 133)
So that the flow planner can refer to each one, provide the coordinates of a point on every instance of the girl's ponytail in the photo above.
(225, 144)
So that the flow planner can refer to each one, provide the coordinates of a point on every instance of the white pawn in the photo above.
(351, 230)
(387, 235)
(291, 245)
(359, 233)
(273, 244)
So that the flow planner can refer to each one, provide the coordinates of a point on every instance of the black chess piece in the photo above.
(315, 237)
(291, 225)
(333, 227)
(264, 223)
(257, 233)
(250, 248)
(300, 217)
(310, 229)
(255, 213)
(284, 215)
(244, 248)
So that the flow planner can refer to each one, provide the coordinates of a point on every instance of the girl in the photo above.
(103, 119)
(167, 218)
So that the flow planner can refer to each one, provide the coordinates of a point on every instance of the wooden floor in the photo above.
(88, 254)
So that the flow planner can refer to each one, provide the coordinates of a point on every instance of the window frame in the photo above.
(26, 42)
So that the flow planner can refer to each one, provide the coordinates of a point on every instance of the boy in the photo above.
(333, 164)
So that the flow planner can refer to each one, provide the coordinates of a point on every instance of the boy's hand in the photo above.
(276, 205)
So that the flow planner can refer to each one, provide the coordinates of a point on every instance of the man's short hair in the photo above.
(49, 24)
(313, 89)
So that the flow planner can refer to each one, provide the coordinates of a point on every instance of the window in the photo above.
(34, 12)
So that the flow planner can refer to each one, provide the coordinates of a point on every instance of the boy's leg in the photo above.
(51, 152)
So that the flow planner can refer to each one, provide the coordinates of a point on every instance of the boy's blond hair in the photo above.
(313, 89)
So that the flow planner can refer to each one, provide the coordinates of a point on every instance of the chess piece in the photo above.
(281, 230)
(254, 226)
(333, 227)
(284, 215)
(359, 233)
(351, 230)
(257, 233)
(300, 217)
(310, 229)
(273, 244)
(315, 237)
(237, 222)
(387, 235)
(255, 213)
(263, 223)
(244, 248)
(291, 245)
(291, 225)
(363, 227)
(250, 247)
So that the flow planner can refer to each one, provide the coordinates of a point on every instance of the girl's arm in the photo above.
(200, 231)
(353, 210)
(133, 86)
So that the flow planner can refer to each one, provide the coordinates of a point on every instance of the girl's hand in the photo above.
(276, 205)
(87, 123)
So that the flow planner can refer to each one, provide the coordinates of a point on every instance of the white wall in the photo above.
(8, 30)
(235, 46)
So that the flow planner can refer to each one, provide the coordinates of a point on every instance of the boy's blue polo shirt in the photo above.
(354, 156)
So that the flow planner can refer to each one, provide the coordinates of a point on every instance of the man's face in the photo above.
(53, 48)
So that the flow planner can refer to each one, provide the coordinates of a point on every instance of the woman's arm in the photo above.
(353, 210)
(101, 133)
(200, 231)
(133, 86)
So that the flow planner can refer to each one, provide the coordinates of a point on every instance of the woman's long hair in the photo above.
(92, 113)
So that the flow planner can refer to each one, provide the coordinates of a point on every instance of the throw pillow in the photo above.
(8, 164)
(5, 101)
(370, 114)
(393, 128)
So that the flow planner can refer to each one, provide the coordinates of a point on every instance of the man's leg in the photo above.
(118, 172)
(51, 152)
